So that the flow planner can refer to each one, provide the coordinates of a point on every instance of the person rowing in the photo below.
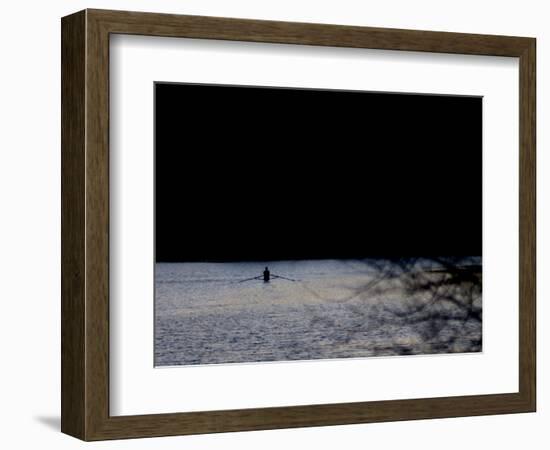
(267, 276)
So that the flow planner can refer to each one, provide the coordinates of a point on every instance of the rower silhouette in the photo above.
(266, 276)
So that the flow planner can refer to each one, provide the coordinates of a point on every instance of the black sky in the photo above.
(247, 173)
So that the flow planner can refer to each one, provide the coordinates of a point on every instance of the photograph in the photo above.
(296, 224)
(269, 224)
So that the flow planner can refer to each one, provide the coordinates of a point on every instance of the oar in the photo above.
(284, 278)
(250, 279)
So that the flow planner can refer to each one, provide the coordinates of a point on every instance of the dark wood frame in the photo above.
(85, 224)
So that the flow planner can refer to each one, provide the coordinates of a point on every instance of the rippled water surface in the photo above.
(336, 309)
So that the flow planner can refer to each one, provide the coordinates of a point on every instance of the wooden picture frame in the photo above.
(85, 224)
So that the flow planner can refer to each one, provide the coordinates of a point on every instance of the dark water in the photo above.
(336, 309)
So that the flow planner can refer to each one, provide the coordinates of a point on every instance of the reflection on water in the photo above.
(336, 309)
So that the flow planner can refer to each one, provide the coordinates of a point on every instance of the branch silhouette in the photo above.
(417, 306)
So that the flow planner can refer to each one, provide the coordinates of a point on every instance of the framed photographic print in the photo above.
(267, 224)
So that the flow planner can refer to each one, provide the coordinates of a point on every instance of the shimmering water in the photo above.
(336, 309)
